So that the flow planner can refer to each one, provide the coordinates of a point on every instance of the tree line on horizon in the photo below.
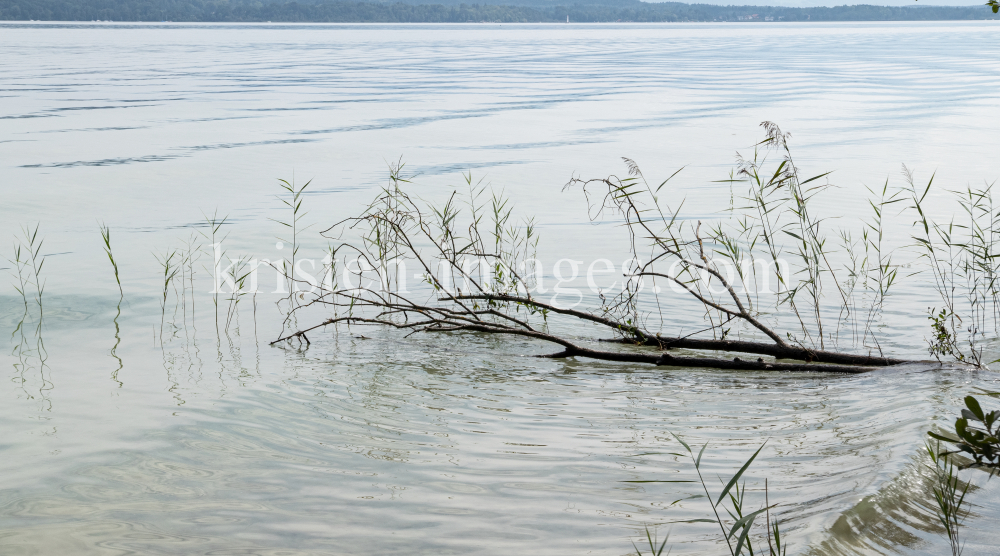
(339, 11)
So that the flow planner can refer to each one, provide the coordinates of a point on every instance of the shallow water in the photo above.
(211, 443)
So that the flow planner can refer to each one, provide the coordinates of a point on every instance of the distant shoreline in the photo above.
(525, 11)
(109, 23)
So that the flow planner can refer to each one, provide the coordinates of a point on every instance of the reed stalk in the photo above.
(215, 238)
(737, 531)
(170, 270)
(239, 270)
(293, 203)
(949, 496)
(106, 237)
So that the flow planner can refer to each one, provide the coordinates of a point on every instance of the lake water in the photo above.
(115, 442)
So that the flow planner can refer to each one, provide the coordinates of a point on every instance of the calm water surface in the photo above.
(115, 443)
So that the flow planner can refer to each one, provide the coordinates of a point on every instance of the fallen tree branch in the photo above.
(854, 366)
(667, 360)
(472, 283)
(757, 348)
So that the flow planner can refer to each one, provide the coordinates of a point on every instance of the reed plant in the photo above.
(804, 228)
(215, 237)
(170, 270)
(21, 272)
(854, 275)
(27, 266)
(106, 237)
(389, 252)
(478, 258)
(28, 263)
(238, 273)
(37, 261)
(292, 201)
(737, 530)
(963, 258)
(949, 496)
(735, 516)
(191, 252)
(652, 540)
(777, 210)
(330, 283)
(879, 272)
(34, 261)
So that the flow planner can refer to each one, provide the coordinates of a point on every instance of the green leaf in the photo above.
(682, 442)
(670, 178)
(746, 520)
(941, 438)
(815, 178)
(961, 429)
(697, 462)
(743, 537)
(736, 477)
(973, 405)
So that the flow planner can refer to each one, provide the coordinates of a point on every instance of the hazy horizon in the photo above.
(823, 3)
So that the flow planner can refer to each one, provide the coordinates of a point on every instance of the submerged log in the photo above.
(668, 360)
(758, 348)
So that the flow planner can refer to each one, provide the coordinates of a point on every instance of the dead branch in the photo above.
(476, 279)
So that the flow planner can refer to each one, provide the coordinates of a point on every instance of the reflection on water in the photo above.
(32, 375)
(369, 446)
(890, 521)
(118, 341)
(378, 443)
